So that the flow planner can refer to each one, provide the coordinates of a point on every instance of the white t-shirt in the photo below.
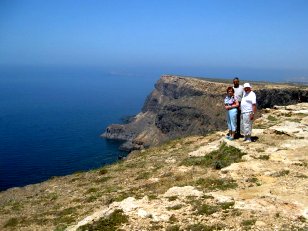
(247, 101)
(238, 92)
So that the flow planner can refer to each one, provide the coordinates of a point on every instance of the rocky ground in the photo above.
(194, 183)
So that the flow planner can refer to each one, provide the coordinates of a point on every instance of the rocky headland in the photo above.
(182, 106)
(199, 182)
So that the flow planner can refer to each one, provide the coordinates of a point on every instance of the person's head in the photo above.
(247, 87)
(230, 91)
(236, 82)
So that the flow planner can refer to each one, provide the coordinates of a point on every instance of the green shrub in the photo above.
(172, 198)
(12, 222)
(272, 118)
(92, 190)
(281, 173)
(143, 175)
(109, 223)
(103, 171)
(206, 209)
(264, 157)
(216, 183)
(226, 205)
(249, 222)
(173, 228)
(218, 159)
(175, 207)
(202, 227)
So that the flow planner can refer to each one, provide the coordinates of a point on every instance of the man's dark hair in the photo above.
(236, 78)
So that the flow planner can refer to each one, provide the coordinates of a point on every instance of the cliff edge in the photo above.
(193, 183)
(183, 106)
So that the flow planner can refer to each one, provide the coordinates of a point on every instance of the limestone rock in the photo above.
(183, 192)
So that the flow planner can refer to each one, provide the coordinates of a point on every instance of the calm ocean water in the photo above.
(51, 120)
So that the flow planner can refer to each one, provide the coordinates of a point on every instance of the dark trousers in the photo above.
(238, 125)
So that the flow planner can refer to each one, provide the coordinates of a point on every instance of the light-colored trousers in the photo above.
(231, 119)
(246, 124)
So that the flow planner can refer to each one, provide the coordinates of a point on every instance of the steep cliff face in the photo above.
(182, 106)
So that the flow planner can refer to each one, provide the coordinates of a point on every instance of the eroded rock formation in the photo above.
(182, 106)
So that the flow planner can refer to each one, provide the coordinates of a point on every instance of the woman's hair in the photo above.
(230, 88)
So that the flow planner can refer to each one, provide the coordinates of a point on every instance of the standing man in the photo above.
(238, 92)
(248, 109)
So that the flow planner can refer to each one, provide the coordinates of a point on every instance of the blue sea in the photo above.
(51, 120)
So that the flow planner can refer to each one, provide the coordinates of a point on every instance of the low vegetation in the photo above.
(12, 222)
(281, 173)
(110, 223)
(248, 223)
(210, 184)
(173, 228)
(264, 157)
(203, 227)
(218, 159)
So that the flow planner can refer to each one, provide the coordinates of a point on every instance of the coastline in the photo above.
(151, 184)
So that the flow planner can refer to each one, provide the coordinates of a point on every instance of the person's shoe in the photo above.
(247, 140)
(230, 138)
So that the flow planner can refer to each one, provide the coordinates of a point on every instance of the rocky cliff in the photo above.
(182, 106)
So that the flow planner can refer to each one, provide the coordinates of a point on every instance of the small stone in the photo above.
(222, 198)
(127, 204)
(260, 224)
(160, 217)
(183, 191)
(143, 214)
(247, 158)
(170, 161)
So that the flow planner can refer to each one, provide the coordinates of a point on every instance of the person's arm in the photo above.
(254, 110)
(237, 104)
(234, 105)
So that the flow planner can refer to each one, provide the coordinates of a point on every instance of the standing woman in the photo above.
(231, 105)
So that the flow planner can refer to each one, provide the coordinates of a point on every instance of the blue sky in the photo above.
(261, 38)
